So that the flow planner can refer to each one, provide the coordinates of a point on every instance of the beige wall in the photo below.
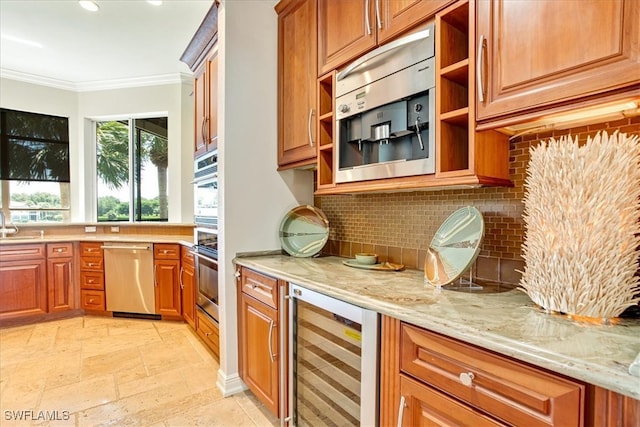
(80, 107)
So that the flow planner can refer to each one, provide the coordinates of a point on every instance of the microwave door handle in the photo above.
(384, 49)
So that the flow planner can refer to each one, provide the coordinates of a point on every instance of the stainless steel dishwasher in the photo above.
(128, 273)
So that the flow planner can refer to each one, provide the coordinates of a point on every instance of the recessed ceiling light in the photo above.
(155, 2)
(89, 5)
(21, 41)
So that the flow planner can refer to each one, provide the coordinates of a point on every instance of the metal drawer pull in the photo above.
(366, 17)
(482, 43)
(466, 378)
(403, 404)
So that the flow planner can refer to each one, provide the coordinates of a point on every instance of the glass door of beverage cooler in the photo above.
(333, 361)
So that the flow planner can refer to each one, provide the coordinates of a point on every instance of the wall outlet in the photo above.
(90, 229)
(115, 229)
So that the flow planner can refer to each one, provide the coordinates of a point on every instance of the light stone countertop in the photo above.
(507, 322)
(32, 238)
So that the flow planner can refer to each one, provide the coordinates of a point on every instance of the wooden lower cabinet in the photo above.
(168, 292)
(93, 300)
(23, 288)
(92, 291)
(258, 335)
(425, 406)
(60, 284)
(187, 287)
(208, 331)
(429, 372)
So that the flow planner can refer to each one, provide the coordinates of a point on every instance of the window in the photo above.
(131, 164)
(34, 167)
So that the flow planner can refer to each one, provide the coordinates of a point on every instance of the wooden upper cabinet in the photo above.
(211, 126)
(201, 98)
(398, 15)
(535, 54)
(297, 72)
(348, 29)
(206, 106)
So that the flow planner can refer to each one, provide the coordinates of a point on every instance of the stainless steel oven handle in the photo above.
(204, 178)
(206, 258)
(131, 248)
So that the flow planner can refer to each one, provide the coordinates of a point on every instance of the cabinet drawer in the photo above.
(58, 250)
(509, 390)
(21, 252)
(427, 406)
(91, 263)
(91, 249)
(186, 255)
(261, 287)
(165, 251)
(92, 280)
(208, 331)
(92, 300)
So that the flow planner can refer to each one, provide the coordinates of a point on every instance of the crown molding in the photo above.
(157, 80)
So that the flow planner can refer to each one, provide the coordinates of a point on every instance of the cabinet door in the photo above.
(537, 53)
(424, 406)
(201, 111)
(346, 29)
(167, 287)
(187, 285)
(60, 284)
(297, 71)
(23, 288)
(259, 358)
(397, 16)
(212, 103)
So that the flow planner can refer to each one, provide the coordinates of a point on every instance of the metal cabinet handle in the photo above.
(378, 18)
(466, 378)
(90, 281)
(59, 250)
(155, 278)
(237, 274)
(309, 127)
(91, 301)
(271, 355)
(207, 334)
(482, 43)
(403, 404)
(180, 277)
(366, 17)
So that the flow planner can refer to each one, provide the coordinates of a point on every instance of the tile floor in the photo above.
(98, 371)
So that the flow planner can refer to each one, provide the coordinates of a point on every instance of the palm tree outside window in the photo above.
(131, 165)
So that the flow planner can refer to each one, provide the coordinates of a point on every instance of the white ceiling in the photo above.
(126, 43)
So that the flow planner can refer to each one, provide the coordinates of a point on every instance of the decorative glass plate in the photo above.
(383, 266)
(303, 231)
(454, 247)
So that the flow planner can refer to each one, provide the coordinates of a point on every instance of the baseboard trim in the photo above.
(230, 384)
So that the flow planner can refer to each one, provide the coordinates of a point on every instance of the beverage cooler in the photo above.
(333, 361)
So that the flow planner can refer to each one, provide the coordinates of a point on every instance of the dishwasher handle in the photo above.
(131, 248)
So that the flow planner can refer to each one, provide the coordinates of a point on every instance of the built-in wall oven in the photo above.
(385, 111)
(205, 249)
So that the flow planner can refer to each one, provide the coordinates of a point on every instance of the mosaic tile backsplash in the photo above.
(400, 226)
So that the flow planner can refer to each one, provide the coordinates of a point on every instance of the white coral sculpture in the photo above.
(581, 215)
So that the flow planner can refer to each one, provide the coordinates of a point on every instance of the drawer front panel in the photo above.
(93, 264)
(58, 250)
(91, 249)
(166, 251)
(263, 288)
(21, 252)
(92, 280)
(208, 331)
(512, 391)
(92, 300)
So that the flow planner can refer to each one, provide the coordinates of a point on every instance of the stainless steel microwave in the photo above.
(385, 111)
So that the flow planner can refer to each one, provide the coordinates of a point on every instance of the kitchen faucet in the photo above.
(3, 226)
